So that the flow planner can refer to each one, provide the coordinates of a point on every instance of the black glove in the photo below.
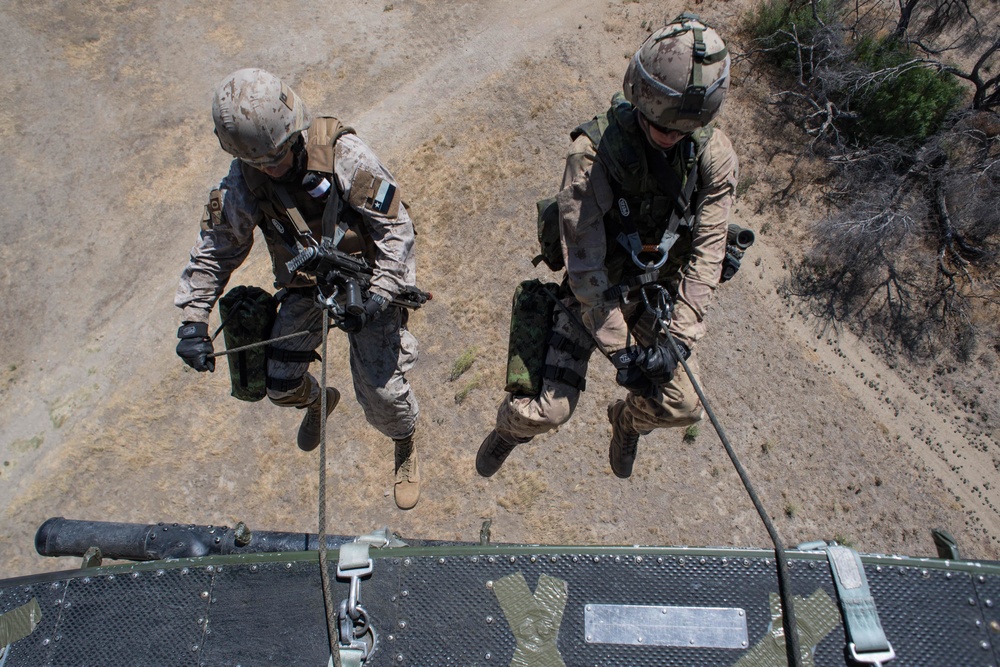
(195, 346)
(629, 363)
(659, 362)
(355, 322)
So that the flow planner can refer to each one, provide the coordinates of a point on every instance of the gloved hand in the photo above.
(659, 362)
(195, 346)
(355, 322)
(629, 363)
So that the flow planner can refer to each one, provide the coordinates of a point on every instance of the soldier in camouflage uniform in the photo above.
(276, 142)
(624, 173)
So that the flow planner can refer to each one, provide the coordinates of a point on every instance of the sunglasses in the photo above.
(272, 159)
(661, 129)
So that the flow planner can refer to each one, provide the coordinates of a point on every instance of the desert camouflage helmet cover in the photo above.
(255, 114)
(679, 76)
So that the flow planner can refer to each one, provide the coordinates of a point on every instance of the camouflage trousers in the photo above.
(674, 404)
(381, 354)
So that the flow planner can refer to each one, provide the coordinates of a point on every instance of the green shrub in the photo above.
(912, 104)
(770, 18)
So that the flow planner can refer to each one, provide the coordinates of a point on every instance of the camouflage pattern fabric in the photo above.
(530, 326)
(380, 355)
(248, 314)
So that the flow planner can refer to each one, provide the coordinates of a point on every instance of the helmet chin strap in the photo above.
(298, 168)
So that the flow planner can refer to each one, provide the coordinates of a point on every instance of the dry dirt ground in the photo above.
(109, 156)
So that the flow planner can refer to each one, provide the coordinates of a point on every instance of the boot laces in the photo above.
(503, 448)
(630, 442)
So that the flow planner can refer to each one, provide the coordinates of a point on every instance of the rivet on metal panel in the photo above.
(740, 612)
(554, 558)
(746, 562)
(725, 561)
(392, 598)
(878, 568)
(135, 575)
(404, 593)
(663, 611)
(659, 561)
(926, 574)
(489, 585)
(638, 560)
(744, 644)
(812, 566)
(972, 602)
(194, 647)
(55, 584)
(589, 607)
(576, 559)
(288, 566)
(691, 642)
(985, 645)
(210, 568)
(597, 559)
(680, 561)
(618, 559)
(533, 559)
(590, 638)
(45, 642)
(489, 619)
(947, 575)
(402, 625)
(513, 559)
(392, 638)
(86, 580)
(184, 570)
(68, 605)
(491, 560)
(200, 621)
(253, 568)
(111, 577)
(475, 559)
(994, 626)
(979, 623)
(406, 562)
(58, 637)
(639, 639)
(160, 573)
(204, 595)
(440, 561)
(489, 656)
(981, 579)
(989, 603)
(399, 658)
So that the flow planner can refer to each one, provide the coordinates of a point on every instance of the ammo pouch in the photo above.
(531, 320)
(548, 235)
(248, 314)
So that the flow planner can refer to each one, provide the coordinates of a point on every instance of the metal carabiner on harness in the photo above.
(662, 306)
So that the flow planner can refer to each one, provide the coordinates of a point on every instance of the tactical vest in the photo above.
(276, 223)
(646, 183)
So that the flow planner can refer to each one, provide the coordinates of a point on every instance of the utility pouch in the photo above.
(248, 314)
(530, 326)
(548, 235)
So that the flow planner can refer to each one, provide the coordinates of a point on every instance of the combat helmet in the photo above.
(256, 116)
(679, 76)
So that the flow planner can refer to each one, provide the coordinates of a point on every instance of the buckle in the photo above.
(872, 657)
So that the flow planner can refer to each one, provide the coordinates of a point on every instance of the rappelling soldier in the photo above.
(284, 156)
(645, 201)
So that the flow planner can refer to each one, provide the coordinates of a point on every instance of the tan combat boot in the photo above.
(309, 430)
(624, 442)
(406, 488)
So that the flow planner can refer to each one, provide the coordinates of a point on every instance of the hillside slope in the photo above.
(111, 155)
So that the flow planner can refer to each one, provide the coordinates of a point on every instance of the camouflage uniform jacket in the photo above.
(386, 239)
(585, 199)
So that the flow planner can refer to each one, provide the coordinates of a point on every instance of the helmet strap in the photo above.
(694, 96)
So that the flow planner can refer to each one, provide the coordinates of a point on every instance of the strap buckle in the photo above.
(871, 657)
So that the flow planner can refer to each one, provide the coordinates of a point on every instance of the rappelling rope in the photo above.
(324, 569)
